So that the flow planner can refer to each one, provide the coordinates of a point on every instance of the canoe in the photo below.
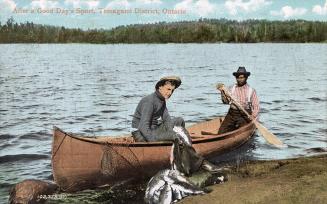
(86, 162)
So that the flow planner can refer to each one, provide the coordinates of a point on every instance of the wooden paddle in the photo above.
(270, 138)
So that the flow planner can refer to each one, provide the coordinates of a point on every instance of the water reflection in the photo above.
(94, 89)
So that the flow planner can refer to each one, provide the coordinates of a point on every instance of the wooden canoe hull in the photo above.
(79, 163)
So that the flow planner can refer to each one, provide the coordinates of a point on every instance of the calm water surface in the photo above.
(94, 89)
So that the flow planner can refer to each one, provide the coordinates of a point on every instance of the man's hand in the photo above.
(250, 118)
(220, 86)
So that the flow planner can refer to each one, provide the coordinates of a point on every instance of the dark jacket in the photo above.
(148, 113)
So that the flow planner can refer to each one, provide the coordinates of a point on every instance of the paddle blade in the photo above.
(270, 138)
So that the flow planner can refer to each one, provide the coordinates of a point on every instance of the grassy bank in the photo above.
(300, 181)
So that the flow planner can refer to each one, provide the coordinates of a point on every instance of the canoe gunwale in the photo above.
(203, 139)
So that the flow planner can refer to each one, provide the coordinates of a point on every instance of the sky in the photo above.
(90, 14)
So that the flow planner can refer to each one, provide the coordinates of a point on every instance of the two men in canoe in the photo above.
(153, 122)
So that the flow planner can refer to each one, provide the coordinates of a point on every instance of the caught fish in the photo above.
(169, 186)
(184, 158)
(183, 135)
(166, 195)
(172, 185)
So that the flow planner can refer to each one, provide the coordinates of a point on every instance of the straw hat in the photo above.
(173, 79)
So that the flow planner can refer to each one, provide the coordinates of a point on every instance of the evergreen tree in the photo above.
(201, 31)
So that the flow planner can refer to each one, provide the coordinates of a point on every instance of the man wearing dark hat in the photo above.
(246, 96)
(151, 108)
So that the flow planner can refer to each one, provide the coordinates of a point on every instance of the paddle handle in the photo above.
(236, 103)
(270, 138)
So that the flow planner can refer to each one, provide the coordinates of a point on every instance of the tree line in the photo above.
(200, 31)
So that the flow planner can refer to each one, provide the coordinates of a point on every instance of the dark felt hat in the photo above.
(173, 79)
(240, 71)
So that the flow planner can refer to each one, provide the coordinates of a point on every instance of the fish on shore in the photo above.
(183, 135)
(169, 186)
(172, 185)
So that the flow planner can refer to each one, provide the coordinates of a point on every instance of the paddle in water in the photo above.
(270, 137)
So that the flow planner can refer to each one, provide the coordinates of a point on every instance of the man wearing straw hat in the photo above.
(151, 108)
(245, 95)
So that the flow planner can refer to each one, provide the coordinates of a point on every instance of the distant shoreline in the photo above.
(86, 43)
(201, 31)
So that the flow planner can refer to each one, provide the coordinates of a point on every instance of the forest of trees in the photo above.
(201, 31)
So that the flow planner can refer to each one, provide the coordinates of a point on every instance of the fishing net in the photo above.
(119, 160)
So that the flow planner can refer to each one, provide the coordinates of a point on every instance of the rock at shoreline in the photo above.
(31, 191)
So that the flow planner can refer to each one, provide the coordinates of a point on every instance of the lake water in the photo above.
(94, 89)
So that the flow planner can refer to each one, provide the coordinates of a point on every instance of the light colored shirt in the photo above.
(245, 95)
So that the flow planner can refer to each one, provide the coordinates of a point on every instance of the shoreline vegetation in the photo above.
(200, 31)
(301, 180)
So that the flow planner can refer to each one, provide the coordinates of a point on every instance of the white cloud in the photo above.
(82, 3)
(233, 6)
(288, 12)
(199, 7)
(149, 1)
(7, 5)
(118, 4)
(44, 4)
(204, 7)
(319, 9)
(186, 4)
(125, 4)
(93, 4)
